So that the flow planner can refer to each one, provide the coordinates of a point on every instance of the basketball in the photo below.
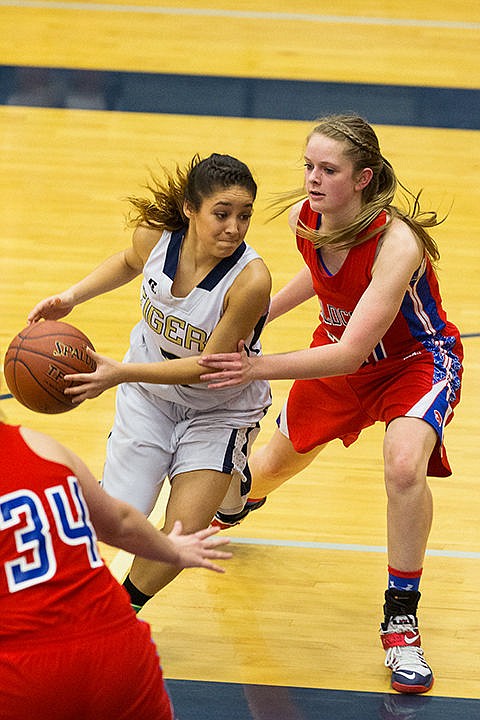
(37, 360)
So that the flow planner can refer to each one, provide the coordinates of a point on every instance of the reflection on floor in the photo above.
(224, 701)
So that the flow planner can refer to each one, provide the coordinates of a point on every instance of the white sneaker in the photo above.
(401, 640)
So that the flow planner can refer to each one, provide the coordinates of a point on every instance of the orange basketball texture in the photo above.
(37, 360)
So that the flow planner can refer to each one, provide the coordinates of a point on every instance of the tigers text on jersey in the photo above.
(177, 327)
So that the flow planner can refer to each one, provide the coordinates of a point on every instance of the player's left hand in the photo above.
(230, 368)
(199, 549)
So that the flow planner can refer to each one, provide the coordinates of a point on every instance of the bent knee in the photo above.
(270, 468)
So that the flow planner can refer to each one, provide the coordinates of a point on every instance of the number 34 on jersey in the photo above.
(23, 512)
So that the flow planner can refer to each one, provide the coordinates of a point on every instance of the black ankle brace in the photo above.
(400, 602)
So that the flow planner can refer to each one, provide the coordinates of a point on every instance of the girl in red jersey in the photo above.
(383, 351)
(70, 644)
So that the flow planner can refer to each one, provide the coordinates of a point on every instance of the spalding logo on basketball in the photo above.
(38, 359)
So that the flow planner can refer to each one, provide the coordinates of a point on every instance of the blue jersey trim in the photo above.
(220, 270)
(173, 253)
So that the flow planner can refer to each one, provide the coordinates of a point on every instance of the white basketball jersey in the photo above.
(175, 327)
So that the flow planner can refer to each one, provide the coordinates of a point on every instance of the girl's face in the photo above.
(222, 222)
(332, 186)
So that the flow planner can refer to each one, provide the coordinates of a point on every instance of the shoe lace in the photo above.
(407, 658)
(401, 623)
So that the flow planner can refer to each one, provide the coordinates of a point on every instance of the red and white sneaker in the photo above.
(401, 640)
(224, 521)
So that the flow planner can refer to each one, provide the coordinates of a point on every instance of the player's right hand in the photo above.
(107, 374)
(51, 308)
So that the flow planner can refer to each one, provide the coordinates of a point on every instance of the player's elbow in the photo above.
(111, 534)
(350, 359)
(117, 528)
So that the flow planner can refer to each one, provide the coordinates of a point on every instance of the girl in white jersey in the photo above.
(203, 290)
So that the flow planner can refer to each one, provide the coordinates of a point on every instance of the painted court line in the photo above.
(122, 560)
(347, 547)
(241, 14)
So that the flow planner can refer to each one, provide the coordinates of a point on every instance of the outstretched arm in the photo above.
(240, 368)
(399, 256)
(245, 303)
(112, 273)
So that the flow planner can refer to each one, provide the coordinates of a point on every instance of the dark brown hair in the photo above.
(198, 180)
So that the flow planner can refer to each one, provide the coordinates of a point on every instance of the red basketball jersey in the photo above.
(421, 324)
(52, 578)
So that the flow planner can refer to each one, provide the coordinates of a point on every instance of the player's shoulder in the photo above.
(399, 247)
(46, 446)
(144, 232)
(399, 236)
(256, 275)
(144, 239)
(252, 286)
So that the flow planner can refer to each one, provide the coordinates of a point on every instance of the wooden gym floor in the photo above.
(92, 95)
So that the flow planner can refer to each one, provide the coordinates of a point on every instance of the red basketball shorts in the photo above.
(116, 676)
(320, 410)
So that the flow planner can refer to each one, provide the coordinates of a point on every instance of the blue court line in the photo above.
(244, 14)
(347, 547)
